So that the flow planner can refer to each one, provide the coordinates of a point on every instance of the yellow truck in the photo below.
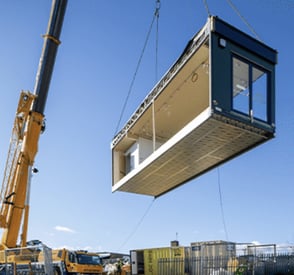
(32, 259)
(76, 262)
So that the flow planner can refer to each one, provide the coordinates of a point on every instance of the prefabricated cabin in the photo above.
(214, 103)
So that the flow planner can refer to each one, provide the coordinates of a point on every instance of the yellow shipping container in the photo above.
(157, 260)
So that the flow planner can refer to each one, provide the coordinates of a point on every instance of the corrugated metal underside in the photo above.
(216, 140)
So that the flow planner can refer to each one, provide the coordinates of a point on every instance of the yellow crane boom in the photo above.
(28, 125)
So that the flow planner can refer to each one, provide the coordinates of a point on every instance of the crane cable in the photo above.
(155, 16)
(243, 19)
(156, 73)
(238, 13)
(156, 42)
(218, 169)
(221, 204)
(137, 226)
(206, 7)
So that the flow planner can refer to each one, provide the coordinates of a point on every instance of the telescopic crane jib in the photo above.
(28, 125)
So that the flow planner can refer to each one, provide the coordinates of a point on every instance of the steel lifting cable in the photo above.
(157, 32)
(243, 19)
(156, 72)
(218, 169)
(221, 204)
(137, 226)
(238, 13)
(155, 16)
(206, 7)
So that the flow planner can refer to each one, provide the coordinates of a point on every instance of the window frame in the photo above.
(251, 66)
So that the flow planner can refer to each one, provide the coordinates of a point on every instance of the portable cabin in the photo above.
(215, 102)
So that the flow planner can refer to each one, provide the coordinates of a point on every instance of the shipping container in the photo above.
(216, 102)
(210, 255)
(213, 248)
(153, 261)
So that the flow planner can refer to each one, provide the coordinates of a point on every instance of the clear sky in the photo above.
(71, 200)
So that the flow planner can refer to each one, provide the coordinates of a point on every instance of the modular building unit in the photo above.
(216, 102)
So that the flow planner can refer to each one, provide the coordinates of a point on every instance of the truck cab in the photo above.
(72, 262)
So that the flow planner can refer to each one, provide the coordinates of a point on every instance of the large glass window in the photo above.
(240, 86)
(249, 89)
(259, 94)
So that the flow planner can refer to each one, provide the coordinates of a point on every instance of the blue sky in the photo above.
(71, 201)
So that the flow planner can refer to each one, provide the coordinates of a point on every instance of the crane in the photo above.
(28, 125)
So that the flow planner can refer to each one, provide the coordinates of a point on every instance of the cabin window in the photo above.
(249, 89)
(259, 91)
